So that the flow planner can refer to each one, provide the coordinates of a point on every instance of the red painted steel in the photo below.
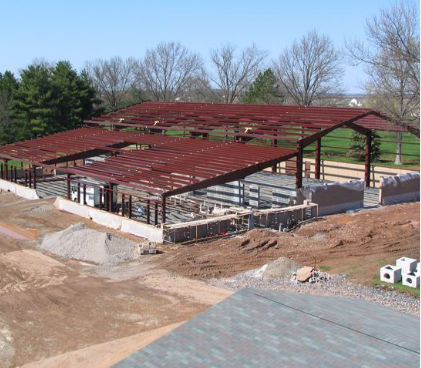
(167, 165)
(293, 121)
(164, 165)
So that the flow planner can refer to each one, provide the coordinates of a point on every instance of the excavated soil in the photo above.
(51, 307)
(356, 244)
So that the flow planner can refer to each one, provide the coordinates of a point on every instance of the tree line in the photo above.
(47, 98)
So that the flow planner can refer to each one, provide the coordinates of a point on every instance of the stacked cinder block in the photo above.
(406, 269)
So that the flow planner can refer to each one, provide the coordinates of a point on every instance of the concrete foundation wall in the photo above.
(334, 197)
(400, 188)
(19, 190)
(345, 171)
(110, 220)
(275, 218)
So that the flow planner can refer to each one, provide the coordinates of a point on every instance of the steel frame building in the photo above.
(164, 165)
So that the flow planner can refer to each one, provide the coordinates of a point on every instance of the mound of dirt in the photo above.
(84, 244)
(357, 244)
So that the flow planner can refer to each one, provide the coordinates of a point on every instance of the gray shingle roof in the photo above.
(256, 328)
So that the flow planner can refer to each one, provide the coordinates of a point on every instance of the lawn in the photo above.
(335, 147)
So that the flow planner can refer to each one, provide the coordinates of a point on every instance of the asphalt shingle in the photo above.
(256, 328)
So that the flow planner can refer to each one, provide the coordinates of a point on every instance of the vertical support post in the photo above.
(130, 206)
(148, 211)
(163, 209)
(15, 173)
(1, 171)
(318, 158)
(156, 213)
(299, 168)
(123, 205)
(78, 192)
(25, 173)
(84, 194)
(100, 198)
(34, 168)
(30, 178)
(68, 186)
(274, 144)
(110, 197)
(6, 170)
(367, 159)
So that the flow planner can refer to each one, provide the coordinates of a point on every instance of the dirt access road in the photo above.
(77, 314)
(356, 244)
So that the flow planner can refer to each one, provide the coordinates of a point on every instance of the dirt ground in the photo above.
(65, 313)
(68, 310)
(356, 244)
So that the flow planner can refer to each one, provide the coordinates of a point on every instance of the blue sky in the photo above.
(84, 30)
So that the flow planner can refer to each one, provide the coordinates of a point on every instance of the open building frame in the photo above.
(163, 165)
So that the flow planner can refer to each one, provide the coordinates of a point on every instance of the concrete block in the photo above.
(407, 265)
(390, 274)
(417, 269)
(411, 279)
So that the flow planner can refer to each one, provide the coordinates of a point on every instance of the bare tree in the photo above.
(113, 79)
(310, 69)
(233, 74)
(392, 63)
(168, 71)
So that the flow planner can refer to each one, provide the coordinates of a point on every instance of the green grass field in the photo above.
(335, 147)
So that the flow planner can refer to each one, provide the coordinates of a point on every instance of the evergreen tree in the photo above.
(34, 110)
(51, 99)
(74, 98)
(8, 87)
(357, 146)
(264, 90)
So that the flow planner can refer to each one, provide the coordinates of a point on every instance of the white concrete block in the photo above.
(390, 274)
(417, 270)
(407, 265)
(411, 279)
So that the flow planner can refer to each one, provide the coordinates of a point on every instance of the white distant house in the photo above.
(354, 102)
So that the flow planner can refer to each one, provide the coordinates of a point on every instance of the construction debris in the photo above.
(304, 274)
(148, 248)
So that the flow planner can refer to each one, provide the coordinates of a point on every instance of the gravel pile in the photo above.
(325, 284)
(281, 268)
(84, 244)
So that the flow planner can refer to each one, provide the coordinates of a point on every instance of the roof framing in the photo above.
(245, 122)
(163, 166)
(168, 165)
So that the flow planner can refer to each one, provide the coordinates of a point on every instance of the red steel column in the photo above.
(148, 212)
(163, 210)
(68, 186)
(34, 168)
(367, 159)
(110, 197)
(6, 170)
(274, 144)
(299, 168)
(318, 158)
